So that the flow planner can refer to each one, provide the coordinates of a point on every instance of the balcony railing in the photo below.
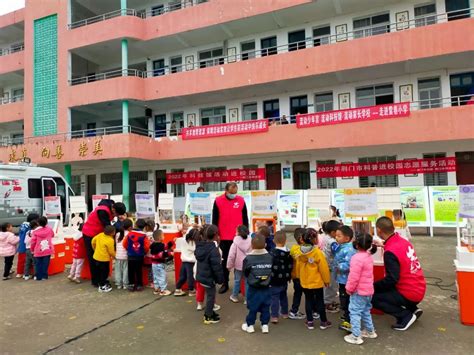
(174, 6)
(9, 100)
(13, 49)
(307, 43)
(104, 17)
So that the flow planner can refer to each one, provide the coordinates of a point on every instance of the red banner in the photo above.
(396, 167)
(189, 177)
(353, 115)
(225, 129)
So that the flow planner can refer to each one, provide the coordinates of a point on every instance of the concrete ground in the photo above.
(59, 317)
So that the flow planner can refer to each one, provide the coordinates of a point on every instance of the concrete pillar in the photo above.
(126, 183)
(123, 7)
(124, 73)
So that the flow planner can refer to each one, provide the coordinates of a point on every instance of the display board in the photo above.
(360, 202)
(264, 203)
(145, 205)
(52, 206)
(96, 199)
(290, 207)
(444, 205)
(415, 204)
(466, 201)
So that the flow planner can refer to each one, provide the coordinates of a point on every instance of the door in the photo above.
(273, 172)
(91, 189)
(159, 67)
(301, 176)
(465, 168)
(160, 186)
(160, 125)
(48, 188)
(457, 9)
(91, 129)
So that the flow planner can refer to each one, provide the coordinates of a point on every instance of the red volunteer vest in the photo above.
(92, 227)
(230, 216)
(412, 284)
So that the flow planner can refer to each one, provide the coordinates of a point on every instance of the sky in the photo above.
(7, 6)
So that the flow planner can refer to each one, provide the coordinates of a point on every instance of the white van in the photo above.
(22, 188)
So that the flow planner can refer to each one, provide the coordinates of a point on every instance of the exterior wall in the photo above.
(12, 62)
(11, 112)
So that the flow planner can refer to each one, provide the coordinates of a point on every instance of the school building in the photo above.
(153, 96)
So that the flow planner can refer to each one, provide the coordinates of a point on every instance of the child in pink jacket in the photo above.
(360, 285)
(42, 247)
(241, 246)
(8, 243)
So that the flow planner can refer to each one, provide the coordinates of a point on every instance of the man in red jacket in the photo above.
(228, 213)
(404, 285)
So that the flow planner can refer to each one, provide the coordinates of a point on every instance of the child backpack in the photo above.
(136, 244)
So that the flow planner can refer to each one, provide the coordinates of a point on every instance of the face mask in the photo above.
(231, 196)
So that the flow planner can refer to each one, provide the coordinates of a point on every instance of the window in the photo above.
(34, 188)
(251, 185)
(175, 5)
(374, 95)
(457, 9)
(17, 95)
(178, 117)
(371, 26)
(211, 58)
(159, 67)
(214, 186)
(177, 189)
(213, 115)
(296, 40)
(160, 125)
(321, 35)
(323, 102)
(247, 50)
(425, 15)
(429, 93)
(157, 10)
(326, 183)
(378, 181)
(269, 46)
(298, 105)
(462, 88)
(435, 179)
(249, 112)
(176, 64)
(271, 108)
(76, 184)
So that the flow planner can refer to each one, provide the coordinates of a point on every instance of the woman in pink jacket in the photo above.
(8, 243)
(360, 285)
(42, 248)
(239, 249)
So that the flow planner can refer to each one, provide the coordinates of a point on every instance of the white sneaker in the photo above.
(216, 307)
(199, 306)
(26, 278)
(248, 328)
(265, 329)
(352, 339)
(366, 334)
(234, 299)
(119, 287)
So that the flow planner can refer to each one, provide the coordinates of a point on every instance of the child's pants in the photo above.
(103, 267)
(121, 272)
(186, 274)
(200, 292)
(8, 265)
(344, 299)
(135, 272)
(238, 276)
(76, 268)
(29, 262)
(210, 300)
(41, 267)
(279, 299)
(359, 308)
(258, 300)
(20, 265)
(159, 276)
(296, 296)
(330, 293)
(314, 299)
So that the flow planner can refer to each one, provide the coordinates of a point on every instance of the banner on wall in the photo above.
(360, 202)
(97, 198)
(414, 201)
(225, 129)
(145, 205)
(397, 110)
(290, 207)
(190, 177)
(52, 205)
(398, 167)
(264, 203)
(444, 205)
(466, 201)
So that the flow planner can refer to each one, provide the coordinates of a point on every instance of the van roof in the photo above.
(29, 168)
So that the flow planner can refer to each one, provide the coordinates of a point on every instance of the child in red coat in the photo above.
(78, 257)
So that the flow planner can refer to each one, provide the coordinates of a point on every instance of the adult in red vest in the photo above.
(102, 215)
(404, 285)
(228, 213)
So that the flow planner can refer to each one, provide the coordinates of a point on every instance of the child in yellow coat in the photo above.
(104, 250)
(314, 276)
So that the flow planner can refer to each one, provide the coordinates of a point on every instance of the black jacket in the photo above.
(282, 265)
(209, 264)
(161, 253)
(258, 268)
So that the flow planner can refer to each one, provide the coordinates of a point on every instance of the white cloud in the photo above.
(7, 6)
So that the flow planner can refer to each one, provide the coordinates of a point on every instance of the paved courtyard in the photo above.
(59, 317)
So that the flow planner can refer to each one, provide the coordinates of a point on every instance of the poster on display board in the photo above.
(200, 204)
(415, 205)
(96, 199)
(264, 203)
(52, 205)
(290, 207)
(145, 205)
(466, 201)
(444, 205)
(360, 202)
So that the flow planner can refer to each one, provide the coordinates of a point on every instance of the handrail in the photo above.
(13, 49)
(166, 8)
(107, 75)
(4, 101)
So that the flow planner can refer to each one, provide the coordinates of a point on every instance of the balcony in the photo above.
(11, 109)
(12, 62)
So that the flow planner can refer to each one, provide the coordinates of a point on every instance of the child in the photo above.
(78, 257)
(295, 251)
(160, 254)
(187, 246)
(8, 243)
(121, 259)
(258, 271)
(137, 245)
(281, 275)
(360, 285)
(265, 231)
(42, 246)
(343, 253)
(330, 293)
(147, 261)
(23, 231)
(30, 260)
(209, 269)
(314, 276)
(103, 245)
(237, 253)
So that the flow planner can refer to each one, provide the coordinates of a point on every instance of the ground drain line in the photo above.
(101, 326)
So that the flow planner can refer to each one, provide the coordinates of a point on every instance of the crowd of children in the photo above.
(321, 265)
